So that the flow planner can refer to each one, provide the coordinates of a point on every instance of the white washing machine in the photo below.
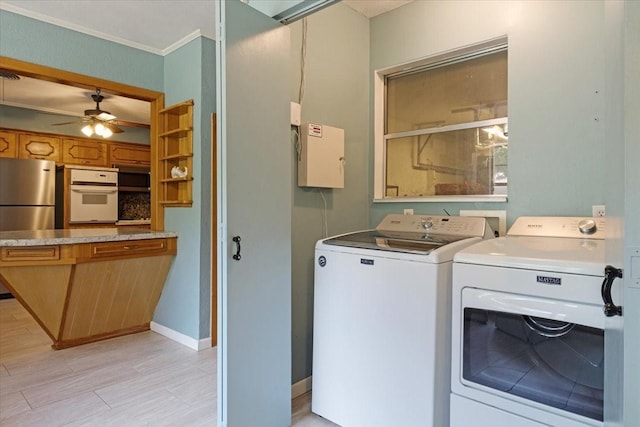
(528, 326)
(382, 307)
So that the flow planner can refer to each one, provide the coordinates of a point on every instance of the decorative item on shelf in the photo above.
(176, 172)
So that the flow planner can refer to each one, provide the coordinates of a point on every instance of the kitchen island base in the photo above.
(85, 292)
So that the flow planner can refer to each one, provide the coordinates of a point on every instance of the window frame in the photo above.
(380, 139)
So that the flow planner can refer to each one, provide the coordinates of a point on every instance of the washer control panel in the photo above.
(434, 224)
(564, 226)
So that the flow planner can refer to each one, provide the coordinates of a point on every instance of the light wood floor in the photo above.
(143, 379)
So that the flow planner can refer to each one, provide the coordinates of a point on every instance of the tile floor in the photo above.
(143, 379)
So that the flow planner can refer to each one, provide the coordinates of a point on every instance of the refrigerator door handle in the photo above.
(610, 274)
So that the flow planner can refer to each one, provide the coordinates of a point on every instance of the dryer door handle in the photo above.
(610, 274)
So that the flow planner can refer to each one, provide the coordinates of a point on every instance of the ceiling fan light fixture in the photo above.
(107, 132)
(99, 129)
(88, 130)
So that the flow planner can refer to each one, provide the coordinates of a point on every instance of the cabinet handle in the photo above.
(237, 256)
(131, 247)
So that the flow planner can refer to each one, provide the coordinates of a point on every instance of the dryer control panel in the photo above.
(434, 224)
(563, 226)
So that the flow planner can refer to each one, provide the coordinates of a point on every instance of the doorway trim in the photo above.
(156, 100)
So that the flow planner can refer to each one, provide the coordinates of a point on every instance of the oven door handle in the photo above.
(94, 190)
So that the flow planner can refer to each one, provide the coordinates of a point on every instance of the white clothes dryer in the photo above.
(382, 313)
(528, 326)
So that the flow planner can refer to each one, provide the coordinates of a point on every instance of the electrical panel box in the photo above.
(321, 158)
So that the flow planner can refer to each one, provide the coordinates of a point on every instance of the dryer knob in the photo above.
(427, 224)
(587, 226)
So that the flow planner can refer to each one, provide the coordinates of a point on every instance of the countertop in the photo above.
(78, 235)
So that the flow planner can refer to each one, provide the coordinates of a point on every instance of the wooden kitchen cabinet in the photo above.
(129, 154)
(33, 146)
(8, 144)
(176, 150)
(85, 292)
(84, 152)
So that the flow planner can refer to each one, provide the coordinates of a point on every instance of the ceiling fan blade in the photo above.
(113, 128)
(67, 123)
(106, 116)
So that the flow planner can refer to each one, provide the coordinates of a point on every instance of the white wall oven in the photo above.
(93, 196)
(528, 328)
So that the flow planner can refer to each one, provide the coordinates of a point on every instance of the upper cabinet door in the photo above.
(83, 152)
(8, 144)
(39, 147)
(255, 198)
(129, 154)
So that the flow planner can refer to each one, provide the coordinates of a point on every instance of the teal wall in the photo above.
(185, 301)
(336, 94)
(37, 121)
(34, 41)
(186, 73)
(556, 142)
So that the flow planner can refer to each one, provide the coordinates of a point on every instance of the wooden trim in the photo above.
(60, 344)
(55, 75)
(65, 306)
(30, 253)
(156, 100)
(157, 210)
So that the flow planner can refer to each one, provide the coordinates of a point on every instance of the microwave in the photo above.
(134, 179)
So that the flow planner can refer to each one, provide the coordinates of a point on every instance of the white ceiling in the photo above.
(133, 23)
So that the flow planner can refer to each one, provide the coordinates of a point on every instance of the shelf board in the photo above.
(189, 178)
(185, 203)
(177, 156)
(174, 132)
(180, 108)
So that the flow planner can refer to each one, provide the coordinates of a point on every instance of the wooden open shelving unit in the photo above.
(176, 149)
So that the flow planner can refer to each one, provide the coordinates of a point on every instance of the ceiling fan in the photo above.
(100, 122)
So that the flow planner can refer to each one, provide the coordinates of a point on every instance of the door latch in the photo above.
(237, 255)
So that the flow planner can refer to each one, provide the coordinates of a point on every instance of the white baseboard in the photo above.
(181, 338)
(301, 387)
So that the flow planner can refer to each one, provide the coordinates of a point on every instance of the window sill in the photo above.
(445, 199)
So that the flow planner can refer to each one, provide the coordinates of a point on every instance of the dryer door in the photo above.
(541, 352)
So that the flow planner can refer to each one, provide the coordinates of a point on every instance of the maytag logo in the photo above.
(366, 261)
(549, 280)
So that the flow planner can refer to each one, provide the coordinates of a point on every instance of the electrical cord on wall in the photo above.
(296, 129)
(325, 228)
(303, 58)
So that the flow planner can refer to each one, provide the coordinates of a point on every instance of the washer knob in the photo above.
(587, 226)
(427, 224)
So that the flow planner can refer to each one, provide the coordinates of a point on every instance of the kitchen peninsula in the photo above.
(85, 285)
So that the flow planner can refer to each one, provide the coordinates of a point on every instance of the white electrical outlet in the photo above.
(598, 210)
(408, 211)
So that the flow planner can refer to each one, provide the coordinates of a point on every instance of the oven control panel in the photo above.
(434, 224)
(566, 226)
(94, 177)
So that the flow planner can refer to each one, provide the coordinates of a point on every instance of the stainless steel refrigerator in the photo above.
(27, 196)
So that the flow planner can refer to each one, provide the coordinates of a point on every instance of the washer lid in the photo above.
(556, 254)
(394, 241)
